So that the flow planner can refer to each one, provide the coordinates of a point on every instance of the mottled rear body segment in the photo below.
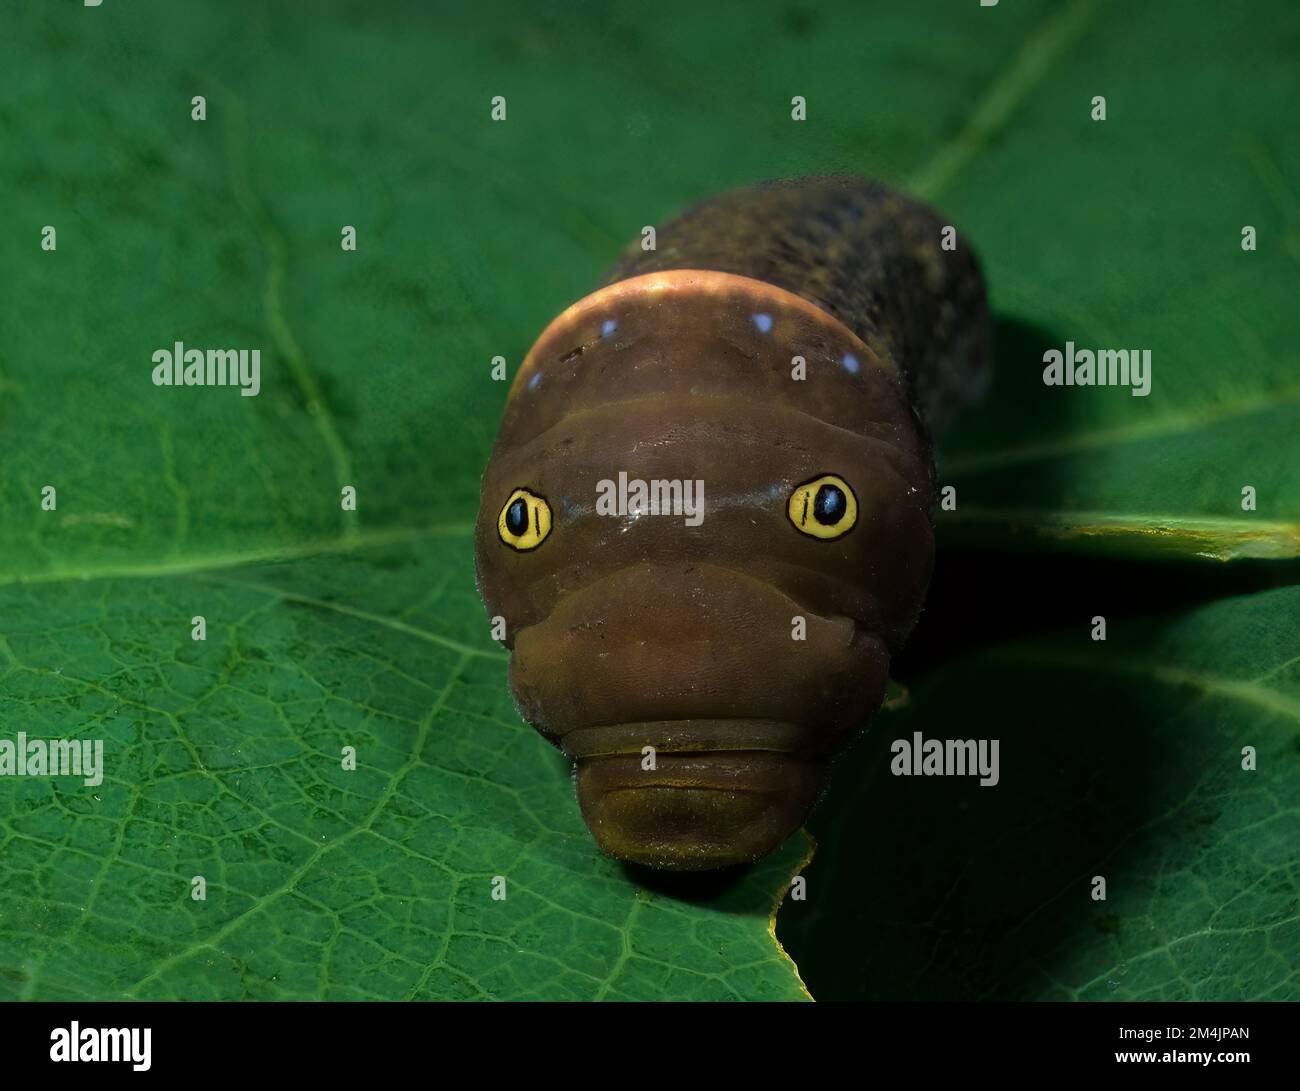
(862, 252)
(702, 675)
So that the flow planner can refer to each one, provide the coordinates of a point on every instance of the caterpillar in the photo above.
(787, 350)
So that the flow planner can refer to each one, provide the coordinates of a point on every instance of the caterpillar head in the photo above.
(706, 523)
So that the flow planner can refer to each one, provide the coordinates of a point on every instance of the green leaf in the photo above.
(1127, 234)
(1120, 758)
(224, 760)
(329, 627)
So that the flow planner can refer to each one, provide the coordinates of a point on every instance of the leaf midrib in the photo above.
(213, 562)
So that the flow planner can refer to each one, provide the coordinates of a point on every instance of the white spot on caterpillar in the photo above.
(850, 363)
(763, 322)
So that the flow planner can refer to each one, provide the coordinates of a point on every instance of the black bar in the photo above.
(362, 1041)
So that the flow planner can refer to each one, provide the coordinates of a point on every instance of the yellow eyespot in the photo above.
(525, 520)
(824, 507)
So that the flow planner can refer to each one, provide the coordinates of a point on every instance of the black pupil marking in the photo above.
(517, 517)
(830, 505)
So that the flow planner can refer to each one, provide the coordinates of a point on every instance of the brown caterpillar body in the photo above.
(785, 345)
